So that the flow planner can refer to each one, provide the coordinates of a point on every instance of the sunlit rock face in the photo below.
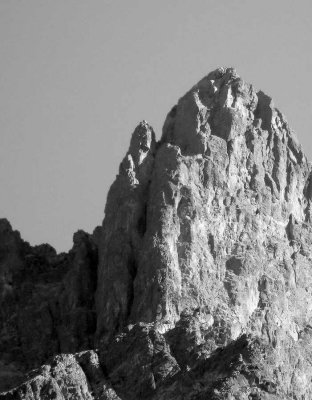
(204, 271)
(220, 199)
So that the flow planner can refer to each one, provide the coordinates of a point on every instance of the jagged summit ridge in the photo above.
(203, 259)
(221, 104)
(223, 147)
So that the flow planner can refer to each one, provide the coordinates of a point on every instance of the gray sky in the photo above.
(78, 75)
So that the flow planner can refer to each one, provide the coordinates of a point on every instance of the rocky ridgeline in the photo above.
(47, 301)
(198, 285)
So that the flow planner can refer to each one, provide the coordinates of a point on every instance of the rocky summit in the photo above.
(198, 284)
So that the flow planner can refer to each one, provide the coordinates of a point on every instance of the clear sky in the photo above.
(76, 76)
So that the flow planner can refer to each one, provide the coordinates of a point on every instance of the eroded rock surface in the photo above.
(123, 231)
(46, 302)
(203, 282)
(67, 376)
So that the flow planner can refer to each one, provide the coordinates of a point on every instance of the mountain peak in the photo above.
(220, 104)
(200, 276)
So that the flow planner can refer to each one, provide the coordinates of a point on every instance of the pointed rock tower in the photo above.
(204, 271)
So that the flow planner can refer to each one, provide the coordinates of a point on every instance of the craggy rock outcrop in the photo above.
(67, 376)
(124, 227)
(138, 360)
(46, 301)
(204, 271)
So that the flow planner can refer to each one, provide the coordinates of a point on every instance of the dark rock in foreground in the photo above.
(197, 286)
(47, 302)
(68, 376)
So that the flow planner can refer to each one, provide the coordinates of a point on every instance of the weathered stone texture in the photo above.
(203, 283)
(123, 231)
(46, 301)
(67, 376)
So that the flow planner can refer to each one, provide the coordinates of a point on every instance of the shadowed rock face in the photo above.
(203, 282)
(47, 302)
(123, 231)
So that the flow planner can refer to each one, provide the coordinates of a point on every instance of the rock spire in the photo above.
(197, 285)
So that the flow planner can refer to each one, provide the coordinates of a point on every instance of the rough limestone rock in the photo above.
(198, 285)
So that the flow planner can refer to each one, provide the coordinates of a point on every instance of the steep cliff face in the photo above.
(203, 286)
(124, 227)
(228, 186)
